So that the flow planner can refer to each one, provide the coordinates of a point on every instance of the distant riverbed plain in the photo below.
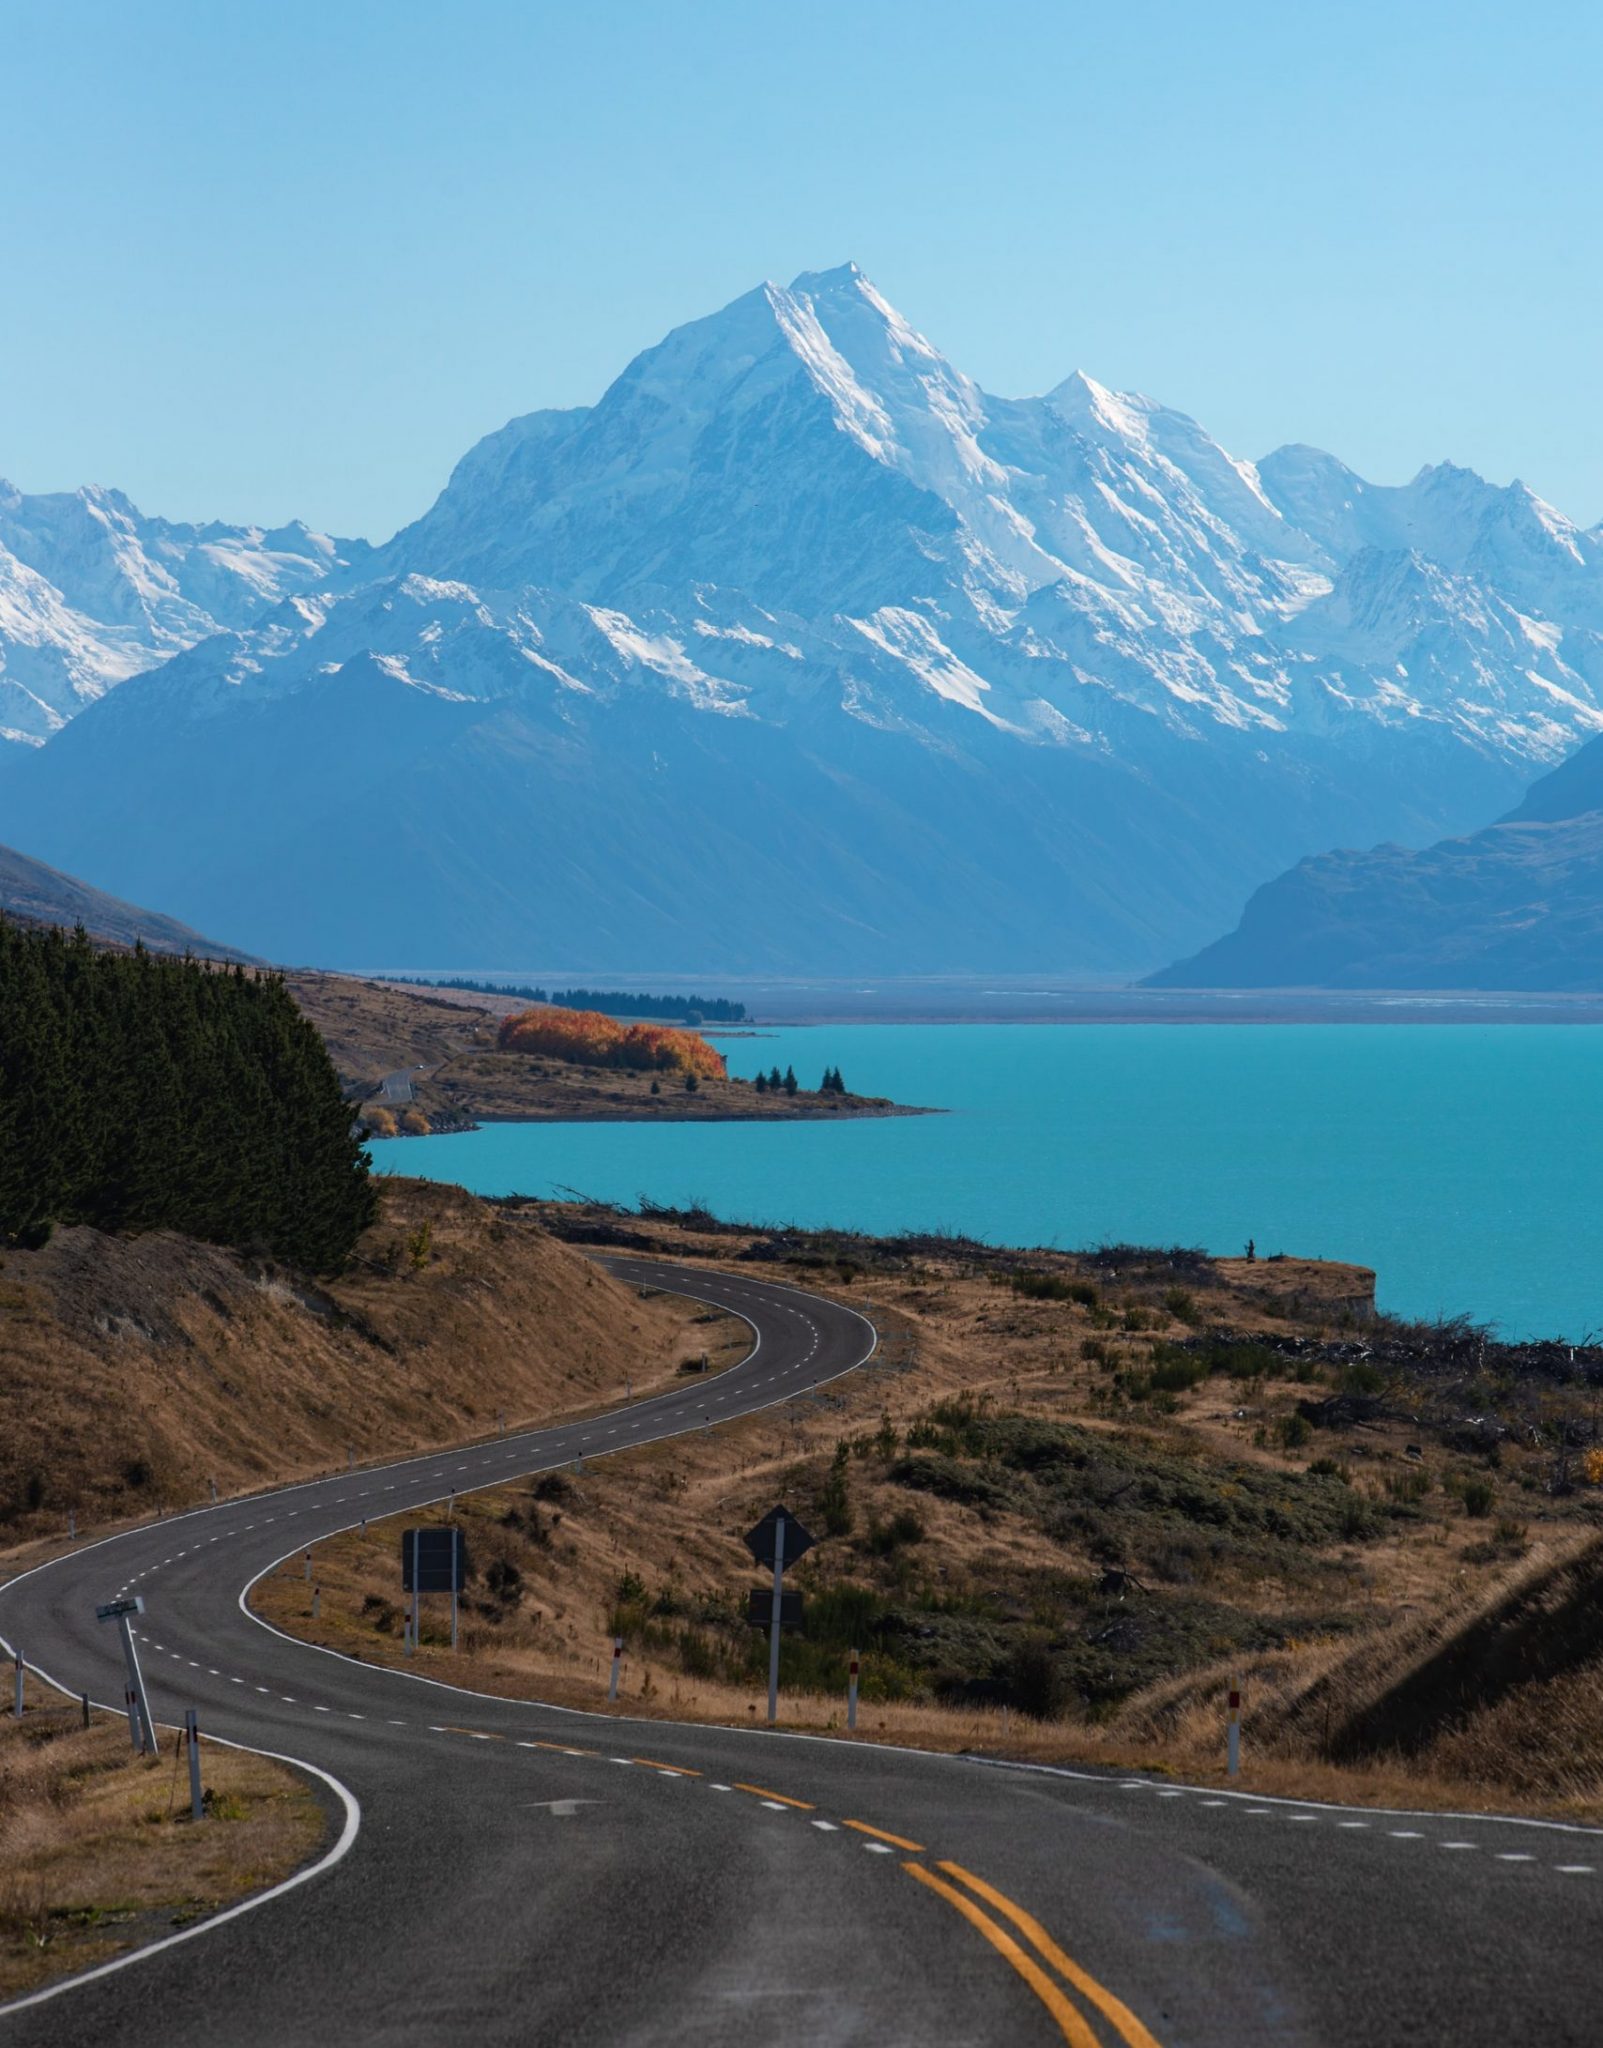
(1460, 1160)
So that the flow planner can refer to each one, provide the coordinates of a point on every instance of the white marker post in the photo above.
(197, 1799)
(851, 1694)
(19, 1685)
(72, 1525)
(773, 1626)
(308, 1567)
(617, 1665)
(213, 1484)
(317, 1603)
(140, 1726)
(1233, 1738)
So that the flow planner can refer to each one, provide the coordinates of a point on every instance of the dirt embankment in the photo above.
(134, 1371)
(457, 1076)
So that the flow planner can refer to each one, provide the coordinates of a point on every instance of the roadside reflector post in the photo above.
(72, 1525)
(617, 1663)
(212, 1483)
(501, 1421)
(19, 1685)
(851, 1694)
(197, 1801)
(85, 1699)
(1233, 1738)
(140, 1726)
(317, 1603)
(308, 1567)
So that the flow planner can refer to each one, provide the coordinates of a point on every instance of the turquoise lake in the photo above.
(1458, 1160)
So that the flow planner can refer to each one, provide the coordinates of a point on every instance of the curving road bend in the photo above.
(508, 1872)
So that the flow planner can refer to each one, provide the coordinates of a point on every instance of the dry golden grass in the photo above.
(672, 1515)
(135, 1370)
(97, 1850)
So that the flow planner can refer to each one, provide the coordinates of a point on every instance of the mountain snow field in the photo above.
(797, 651)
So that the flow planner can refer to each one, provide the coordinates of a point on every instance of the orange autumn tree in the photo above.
(590, 1038)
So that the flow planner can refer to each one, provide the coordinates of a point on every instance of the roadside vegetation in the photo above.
(1072, 1501)
(98, 1852)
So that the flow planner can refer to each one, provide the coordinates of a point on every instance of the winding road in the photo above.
(507, 1872)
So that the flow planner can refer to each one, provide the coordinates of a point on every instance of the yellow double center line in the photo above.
(1071, 2023)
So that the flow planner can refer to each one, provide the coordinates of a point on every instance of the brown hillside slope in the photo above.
(135, 1370)
(35, 894)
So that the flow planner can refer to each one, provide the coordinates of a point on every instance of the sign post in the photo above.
(778, 1539)
(773, 1623)
(140, 1726)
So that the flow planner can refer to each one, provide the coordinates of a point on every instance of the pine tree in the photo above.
(762, 1083)
(140, 1092)
(790, 1081)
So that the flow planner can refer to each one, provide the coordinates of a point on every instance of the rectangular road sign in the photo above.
(760, 1541)
(441, 1557)
(760, 1608)
(114, 1608)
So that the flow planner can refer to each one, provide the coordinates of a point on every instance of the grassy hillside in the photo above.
(1090, 1493)
(138, 1369)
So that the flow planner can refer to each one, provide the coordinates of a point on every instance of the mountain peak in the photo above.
(818, 283)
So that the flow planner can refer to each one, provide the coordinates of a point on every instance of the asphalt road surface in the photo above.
(512, 1873)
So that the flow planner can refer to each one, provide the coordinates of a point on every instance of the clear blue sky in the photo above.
(294, 257)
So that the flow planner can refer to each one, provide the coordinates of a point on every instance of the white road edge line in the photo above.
(327, 1861)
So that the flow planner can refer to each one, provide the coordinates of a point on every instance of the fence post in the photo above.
(197, 1804)
(617, 1660)
(1233, 1738)
(851, 1694)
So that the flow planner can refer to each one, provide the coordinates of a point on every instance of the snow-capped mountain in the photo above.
(92, 592)
(925, 678)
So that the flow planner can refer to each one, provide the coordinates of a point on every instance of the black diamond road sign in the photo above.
(761, 1541)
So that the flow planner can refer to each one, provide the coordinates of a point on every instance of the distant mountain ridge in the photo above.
(798, 651)
(1517, 906)
(31, 893)
(92, 592)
